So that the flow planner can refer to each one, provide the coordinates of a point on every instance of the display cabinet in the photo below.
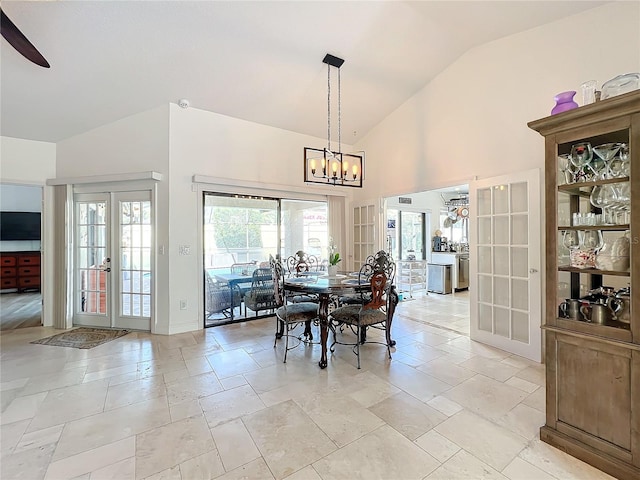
(592, 314)
(411, 276)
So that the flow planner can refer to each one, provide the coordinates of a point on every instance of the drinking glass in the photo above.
(564, 162)
(581, 154)
(592, 239)
(623, 201)
(606, 152)
(571, 239)
(588, 92)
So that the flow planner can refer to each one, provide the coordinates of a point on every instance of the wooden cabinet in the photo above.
(592, 349)
(20, 271)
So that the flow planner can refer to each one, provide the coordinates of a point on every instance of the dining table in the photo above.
(327, 287)
(234, 280)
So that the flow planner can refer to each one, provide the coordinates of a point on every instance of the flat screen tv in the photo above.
(19, 225)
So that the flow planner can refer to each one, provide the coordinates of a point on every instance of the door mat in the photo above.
(82, 337)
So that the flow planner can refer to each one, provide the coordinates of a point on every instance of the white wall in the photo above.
(134, 144)
(236, 151)
(27, 162)
(472, 119)
(20, 198)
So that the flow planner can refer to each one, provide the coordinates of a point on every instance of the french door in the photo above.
(505, 282)
(113, 259)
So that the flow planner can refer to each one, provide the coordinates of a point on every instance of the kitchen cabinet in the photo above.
(593, 360)
(411, 276)
(20, 271)
(459, 262)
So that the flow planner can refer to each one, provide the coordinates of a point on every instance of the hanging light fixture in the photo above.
(325, 165)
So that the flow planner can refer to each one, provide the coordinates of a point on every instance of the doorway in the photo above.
(20, 258)
(113, 259)
(432, 212)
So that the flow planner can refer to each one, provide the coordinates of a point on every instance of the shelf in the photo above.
(592, 271)
(617, 330)
(608, 228)
(576, 188)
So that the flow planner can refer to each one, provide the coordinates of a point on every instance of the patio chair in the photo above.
(218, 298)
(260, 295)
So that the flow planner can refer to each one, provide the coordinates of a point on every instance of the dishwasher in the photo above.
(463, 272)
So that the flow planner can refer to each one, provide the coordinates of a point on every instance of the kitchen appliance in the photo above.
(439, 278)
(437, 243)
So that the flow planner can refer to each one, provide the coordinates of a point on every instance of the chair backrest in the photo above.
(302, 262)
(277, 273)
(378, 291)
(380, 262)
(243, 268)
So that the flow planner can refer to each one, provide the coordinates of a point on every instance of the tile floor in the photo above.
(219, 403)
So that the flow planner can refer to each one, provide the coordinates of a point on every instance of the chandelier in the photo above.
(326, 166)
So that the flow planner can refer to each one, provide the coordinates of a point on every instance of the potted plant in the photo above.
(334, 258)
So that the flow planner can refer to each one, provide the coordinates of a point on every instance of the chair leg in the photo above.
(358, 345)
(286, 341)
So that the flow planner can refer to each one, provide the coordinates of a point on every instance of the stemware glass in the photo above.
(623, 202)
(592, 239)
(606, 152)
(571, 239)
(564, 163)
(581, 155)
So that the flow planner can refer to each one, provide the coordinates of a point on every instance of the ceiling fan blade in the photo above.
(15, 37)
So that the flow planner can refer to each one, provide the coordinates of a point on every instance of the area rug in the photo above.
(82, 337)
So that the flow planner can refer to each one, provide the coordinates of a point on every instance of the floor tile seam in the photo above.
(492, 421)
(435, 325)
(475, 458)
(87, 451)
(242, 419)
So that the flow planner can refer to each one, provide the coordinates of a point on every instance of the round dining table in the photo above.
(326, 287)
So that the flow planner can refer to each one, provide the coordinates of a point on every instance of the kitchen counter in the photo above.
(459, 262)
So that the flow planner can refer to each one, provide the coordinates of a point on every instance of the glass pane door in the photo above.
(113, 260)
(91, 234)
(505, 281)
(303, 227)
(134, 260)
(240, 232)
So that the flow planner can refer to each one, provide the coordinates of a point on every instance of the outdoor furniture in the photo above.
(218, 297)
(261, 294)
(244, 269)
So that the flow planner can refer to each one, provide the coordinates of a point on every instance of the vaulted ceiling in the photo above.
(259, 61)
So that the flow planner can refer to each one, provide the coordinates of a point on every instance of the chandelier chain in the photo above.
(339, 117)
(328, 107)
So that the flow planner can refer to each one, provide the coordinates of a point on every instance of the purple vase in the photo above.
(564, 102)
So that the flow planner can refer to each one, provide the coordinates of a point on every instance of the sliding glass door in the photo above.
(240, 233)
